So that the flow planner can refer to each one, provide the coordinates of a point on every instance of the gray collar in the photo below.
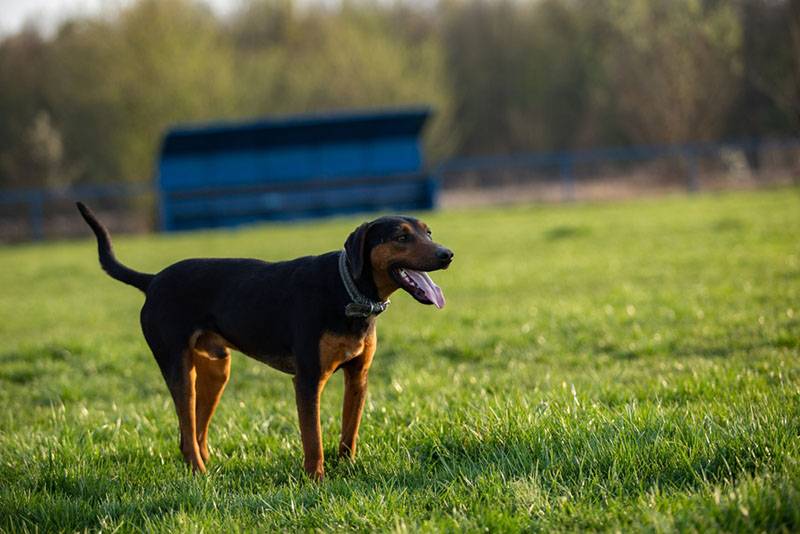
(361, 306)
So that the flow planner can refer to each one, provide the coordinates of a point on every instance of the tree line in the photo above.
(90, 101)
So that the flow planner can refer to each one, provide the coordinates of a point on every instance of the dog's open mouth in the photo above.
(420, 286)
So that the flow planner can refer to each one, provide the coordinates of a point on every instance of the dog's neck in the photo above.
(377, 284)
(364, 295)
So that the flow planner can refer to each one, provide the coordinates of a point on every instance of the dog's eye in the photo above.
(403, 238)
(430, 234)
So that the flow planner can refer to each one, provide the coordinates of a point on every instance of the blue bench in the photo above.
(294, 167)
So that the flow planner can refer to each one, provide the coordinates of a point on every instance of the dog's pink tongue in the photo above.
(431, 290)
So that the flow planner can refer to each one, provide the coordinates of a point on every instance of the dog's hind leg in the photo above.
(174, 354)
(212, 361)
(184, 394)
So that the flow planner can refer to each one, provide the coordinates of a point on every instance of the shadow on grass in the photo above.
(48, 352)
(558, 233)
(23, 366)
(684, 349)
(728, 224)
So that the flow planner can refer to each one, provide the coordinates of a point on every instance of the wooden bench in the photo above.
(295, 167)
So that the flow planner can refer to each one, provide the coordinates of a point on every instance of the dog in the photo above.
(308, 317)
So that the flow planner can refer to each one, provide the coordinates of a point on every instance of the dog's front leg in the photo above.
(307, 395)
(355, 391)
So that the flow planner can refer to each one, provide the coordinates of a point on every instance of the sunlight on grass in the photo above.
(616, 366)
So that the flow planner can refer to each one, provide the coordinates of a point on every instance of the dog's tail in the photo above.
(108, 261)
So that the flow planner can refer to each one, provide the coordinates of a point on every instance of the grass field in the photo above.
(617, 366)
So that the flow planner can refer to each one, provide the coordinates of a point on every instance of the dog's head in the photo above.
(398, 252)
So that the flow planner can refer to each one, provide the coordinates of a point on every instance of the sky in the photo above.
(46, 14)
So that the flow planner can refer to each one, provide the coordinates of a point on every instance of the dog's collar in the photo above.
(361, 306)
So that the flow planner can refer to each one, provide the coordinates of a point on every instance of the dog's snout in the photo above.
(444, 254)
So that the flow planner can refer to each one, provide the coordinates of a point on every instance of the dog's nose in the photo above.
(444, 254)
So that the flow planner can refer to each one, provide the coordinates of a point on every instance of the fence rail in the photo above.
(34, 201)
(561, 169)
(565, 162)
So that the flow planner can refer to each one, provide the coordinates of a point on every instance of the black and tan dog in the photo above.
(308, 317)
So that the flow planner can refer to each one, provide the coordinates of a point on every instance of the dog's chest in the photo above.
(281, 362)
(338, 349)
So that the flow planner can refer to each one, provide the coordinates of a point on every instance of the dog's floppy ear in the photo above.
(354, 247)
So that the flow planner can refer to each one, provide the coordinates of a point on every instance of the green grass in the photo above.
(630, 366)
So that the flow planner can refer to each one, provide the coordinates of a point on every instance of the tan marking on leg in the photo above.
(334, 351)
(184, 395)
(210, 343)
(212, 361)
(355, 390)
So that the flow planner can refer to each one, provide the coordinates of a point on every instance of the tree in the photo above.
(772, 65)
(674, 67)
(116, 85)
(22, 74)
(520, 73)
(355, 56)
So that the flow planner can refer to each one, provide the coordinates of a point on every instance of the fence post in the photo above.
(691, 163)
(36, 214)
(566, 165)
